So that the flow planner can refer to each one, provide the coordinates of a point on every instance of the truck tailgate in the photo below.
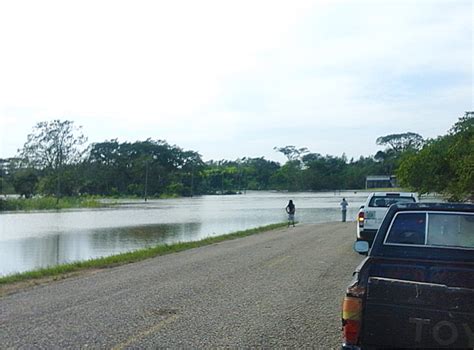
(374, 217)
(401, 313)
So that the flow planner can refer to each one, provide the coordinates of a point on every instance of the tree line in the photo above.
(56, 162)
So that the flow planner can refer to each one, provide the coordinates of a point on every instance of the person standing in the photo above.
(291, 209)
(344, 206)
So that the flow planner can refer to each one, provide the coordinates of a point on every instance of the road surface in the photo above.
(281, 288)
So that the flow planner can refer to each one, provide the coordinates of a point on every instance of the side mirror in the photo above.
(361, 247)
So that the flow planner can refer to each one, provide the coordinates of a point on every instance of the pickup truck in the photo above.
(371, 214)
(415, 289)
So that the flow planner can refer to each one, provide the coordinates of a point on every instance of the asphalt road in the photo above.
(281, 288)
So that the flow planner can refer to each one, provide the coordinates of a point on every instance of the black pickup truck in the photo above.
(415, 289)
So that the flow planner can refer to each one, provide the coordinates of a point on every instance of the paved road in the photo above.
(282, 288)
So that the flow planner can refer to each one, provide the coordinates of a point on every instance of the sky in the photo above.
(233, 79)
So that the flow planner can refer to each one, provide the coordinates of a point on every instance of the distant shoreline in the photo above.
(12, 203)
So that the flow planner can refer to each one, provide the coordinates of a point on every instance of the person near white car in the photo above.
(344, 206)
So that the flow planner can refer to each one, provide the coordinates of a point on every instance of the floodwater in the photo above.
(31, 240)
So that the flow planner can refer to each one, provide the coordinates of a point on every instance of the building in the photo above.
(381, 181)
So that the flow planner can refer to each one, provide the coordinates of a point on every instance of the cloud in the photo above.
(236, 79)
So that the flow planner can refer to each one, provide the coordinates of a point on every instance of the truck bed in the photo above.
(401, 313)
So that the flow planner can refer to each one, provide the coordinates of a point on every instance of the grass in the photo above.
(51, 203)
(60, 271)
(45, 203)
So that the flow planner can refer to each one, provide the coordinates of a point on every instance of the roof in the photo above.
(402, 194)
(378, 178)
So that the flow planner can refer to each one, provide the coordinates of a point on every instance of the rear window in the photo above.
(433, 229)
(408, 228)
(385, 202)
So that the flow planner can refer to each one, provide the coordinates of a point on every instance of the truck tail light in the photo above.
(351, 316)
(361, 218)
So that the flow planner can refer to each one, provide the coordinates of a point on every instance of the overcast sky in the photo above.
(230, 79)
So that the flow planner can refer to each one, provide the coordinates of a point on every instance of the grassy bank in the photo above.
(49, 203)
(121, 259)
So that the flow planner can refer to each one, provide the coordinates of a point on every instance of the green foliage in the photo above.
(444, 165)
(257, 172)
(6, 179)
(52, 146)
(131, 168)
(154, 168)
(324, 173)
(114, 169)
(289, 176)
(401, 142)
(291, 152)
(461, 154)
(135, 189)
(48, 203)
(398, 145)
(175, 188)
(25, 182)
(356, 171)
(69, 179)
(6, 187)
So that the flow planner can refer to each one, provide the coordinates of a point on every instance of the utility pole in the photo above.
(58, 185)
(222, 182)
(146, 180)
(192, 180)
(2, 184)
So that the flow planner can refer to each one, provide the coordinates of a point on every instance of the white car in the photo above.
(373, 211)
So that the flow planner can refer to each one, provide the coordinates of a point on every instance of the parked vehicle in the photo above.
(371, 214)
(415, 289)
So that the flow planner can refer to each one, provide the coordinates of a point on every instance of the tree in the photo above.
(324, 173)
(24, 182)
(8, 167)
(291, 152)
(142, 168)
(401, 142)
(397, 146)
(53, 145)
(429, 170)
(291, 171)
(461, 155)
(258, 171)
(444, 165)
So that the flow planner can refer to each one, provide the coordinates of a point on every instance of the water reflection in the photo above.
(33, 252)
(33, 240)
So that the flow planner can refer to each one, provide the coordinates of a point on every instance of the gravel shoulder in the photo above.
(281, 288)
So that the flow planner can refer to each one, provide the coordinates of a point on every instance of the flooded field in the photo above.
(39, 239)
